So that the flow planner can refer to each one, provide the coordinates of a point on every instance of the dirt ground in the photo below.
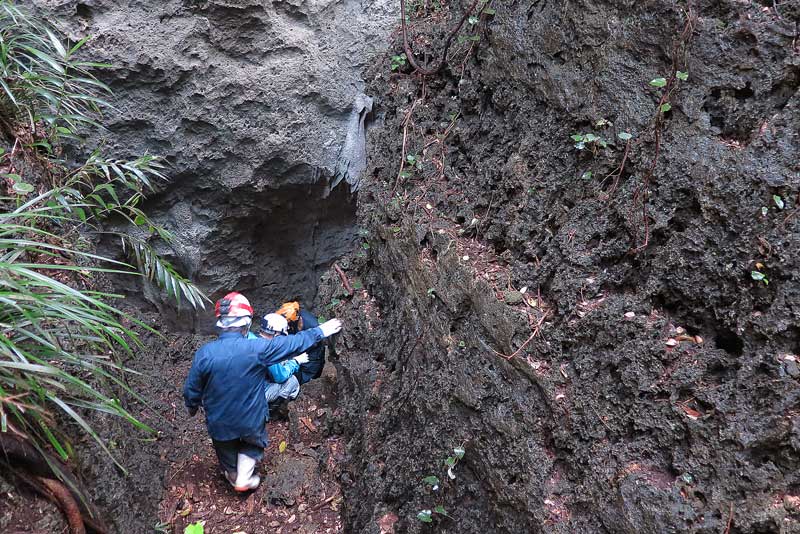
(174, 479)
(298, 493)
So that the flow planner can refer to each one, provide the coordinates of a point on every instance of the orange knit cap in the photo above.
(290, 310)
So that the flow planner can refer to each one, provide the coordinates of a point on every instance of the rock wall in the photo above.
(250, 102)
(651, 388)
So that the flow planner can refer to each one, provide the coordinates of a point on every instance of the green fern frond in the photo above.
(160, 272)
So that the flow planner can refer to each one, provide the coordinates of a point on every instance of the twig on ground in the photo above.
(730, 521)
(617, 173)
(641, 193)
(405, 139)
(323, 503)
(536, 329)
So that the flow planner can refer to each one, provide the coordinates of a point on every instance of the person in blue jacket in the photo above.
(227, 379)
(300, 320)
(282, 385)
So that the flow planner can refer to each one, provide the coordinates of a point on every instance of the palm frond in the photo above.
(159, 271)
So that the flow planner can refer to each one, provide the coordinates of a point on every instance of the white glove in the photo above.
(330, 327)
(301, 359)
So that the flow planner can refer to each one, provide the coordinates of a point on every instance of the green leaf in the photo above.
(365, 246)
(624, 136)
(56, 44)
(576, 137)
(665, 107)
(590, 137)
(431, 480)
(683, 76)
(658, 82)
(472, 20)
(757, 276)
(450, 461)
(587, 175)
(195, 528)
(489, 11)
(778, 201)
(440, 510)
(764, 211)
(22, 188)
(140, 220)
(465, 38)
(459, 452)
(424, 516)
(79, 44)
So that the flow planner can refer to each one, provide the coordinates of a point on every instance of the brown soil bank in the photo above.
(652, 388)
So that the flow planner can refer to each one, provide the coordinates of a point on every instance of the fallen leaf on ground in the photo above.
(693, 414)
(307, 422)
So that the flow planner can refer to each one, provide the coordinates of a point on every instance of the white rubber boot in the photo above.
(230, 476)
(245, 479)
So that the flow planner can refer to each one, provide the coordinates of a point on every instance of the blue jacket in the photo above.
(279, 372)
(227, 378)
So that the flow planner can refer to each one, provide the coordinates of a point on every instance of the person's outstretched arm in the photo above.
(282, 347)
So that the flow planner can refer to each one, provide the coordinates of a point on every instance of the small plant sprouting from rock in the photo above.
(398, 62)
(664, 105)
(758, 276)
(451, 461)
(426, 516)
(433, 482)
(589, 140)
(778, 201)
(414, 161)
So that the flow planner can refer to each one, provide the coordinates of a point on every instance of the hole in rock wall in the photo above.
(271, 241)
(729, 342)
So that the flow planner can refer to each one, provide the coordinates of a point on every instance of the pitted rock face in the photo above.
(250, 101)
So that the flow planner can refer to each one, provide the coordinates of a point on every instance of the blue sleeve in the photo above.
(195, 382)
(280, 348)
(282, 371)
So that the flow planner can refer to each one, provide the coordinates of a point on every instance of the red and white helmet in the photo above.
(233, 311)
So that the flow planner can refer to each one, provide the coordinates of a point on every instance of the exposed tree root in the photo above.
(451, 35)
(343, 278)
(37, 469)
(62, 496)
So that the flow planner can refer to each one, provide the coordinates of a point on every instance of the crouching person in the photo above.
(227, 380)
(299, 320)
(282, 384)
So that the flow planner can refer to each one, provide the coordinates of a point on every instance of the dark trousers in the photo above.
(228, 451)
(313, 369)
